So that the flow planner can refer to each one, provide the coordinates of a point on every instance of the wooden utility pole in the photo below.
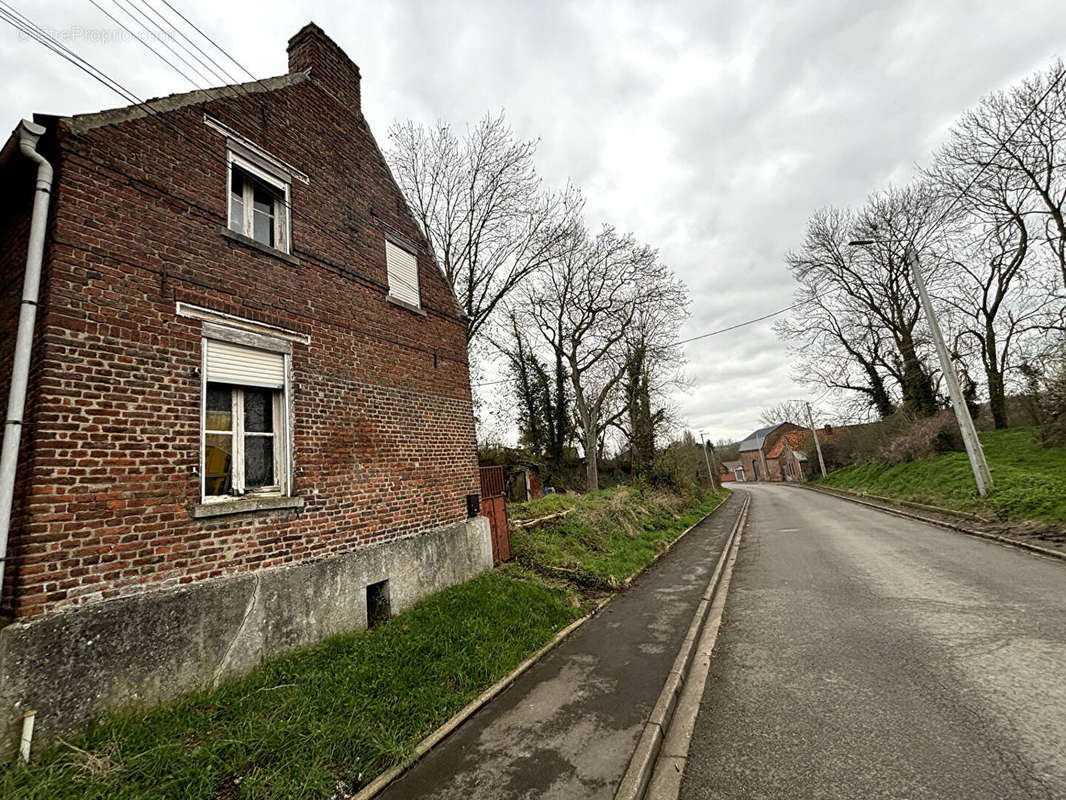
(981, 474)
(814, 433)
(707, 461)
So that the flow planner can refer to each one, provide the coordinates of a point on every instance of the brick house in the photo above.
(249, 409)
(770, 454)
(730, 471)
(786, 459)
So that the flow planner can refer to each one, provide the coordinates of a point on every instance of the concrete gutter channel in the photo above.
(666, 699)
(863, 500)
(657, 765)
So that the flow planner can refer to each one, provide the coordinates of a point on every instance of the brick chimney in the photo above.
(330, 66)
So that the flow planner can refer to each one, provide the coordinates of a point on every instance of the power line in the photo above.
(212, 41)
(743, 324)
(155, 52)
(214, 67)
(21, 23)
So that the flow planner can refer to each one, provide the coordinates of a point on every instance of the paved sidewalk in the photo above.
(568, 726)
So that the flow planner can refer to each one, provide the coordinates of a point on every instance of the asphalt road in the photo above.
(867, 656)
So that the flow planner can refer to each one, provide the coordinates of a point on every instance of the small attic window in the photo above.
(258, 204)
(402, 265)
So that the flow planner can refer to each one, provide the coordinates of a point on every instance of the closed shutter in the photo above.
(244, 366)
(403, 273)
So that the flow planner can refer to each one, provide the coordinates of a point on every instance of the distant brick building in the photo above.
(770, 454)
(730, 471)
(249, 398)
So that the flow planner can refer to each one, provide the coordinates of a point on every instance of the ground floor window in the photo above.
(242, 451)
(244, 434)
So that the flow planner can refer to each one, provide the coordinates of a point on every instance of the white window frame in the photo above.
(282, 410)
(281, 184)
(237, 432)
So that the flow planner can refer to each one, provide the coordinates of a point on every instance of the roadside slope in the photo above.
(1030, 480)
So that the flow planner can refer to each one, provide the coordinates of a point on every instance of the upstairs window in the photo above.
(258, 204)
(402, 266)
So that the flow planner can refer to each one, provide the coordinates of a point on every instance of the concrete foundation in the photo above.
(138, 651)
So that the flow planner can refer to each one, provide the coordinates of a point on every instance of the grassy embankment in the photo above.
(609, 537)
(1030, 480)
(327, 720)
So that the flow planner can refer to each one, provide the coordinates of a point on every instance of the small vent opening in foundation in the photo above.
(377, 603)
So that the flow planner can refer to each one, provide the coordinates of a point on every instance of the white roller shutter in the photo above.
(403, 273)
(244, 366)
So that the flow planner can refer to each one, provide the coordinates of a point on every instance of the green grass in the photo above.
(1030, 480)
(339, 714)
(343, 711)
(611, 536)
(542, 507)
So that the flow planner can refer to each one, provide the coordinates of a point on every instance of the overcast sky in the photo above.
(710, 129)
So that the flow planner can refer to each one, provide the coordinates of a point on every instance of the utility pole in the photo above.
(981, 474)
(707, 461)
(814, 433)
(974, 450)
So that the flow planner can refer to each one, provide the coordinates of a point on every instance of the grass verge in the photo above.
(1030, 480)
(611, 535)
(307, 724)
(322, 722)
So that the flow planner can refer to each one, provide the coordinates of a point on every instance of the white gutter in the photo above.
(27, 135)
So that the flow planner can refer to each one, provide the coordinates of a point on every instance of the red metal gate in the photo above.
(494, 506)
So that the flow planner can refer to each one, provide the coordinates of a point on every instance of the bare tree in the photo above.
(794, 411)
(840, 349)
(585, 306)
(861, 325)
(482, 207)
(1018, 139)
(541, 391)
(1002, 302)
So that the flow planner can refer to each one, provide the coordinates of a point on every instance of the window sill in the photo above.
(248, 241)
(404, 304)
(241, 505)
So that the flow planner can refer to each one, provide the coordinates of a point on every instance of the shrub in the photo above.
(924, 438)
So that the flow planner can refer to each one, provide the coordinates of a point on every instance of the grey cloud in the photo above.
(712, 130)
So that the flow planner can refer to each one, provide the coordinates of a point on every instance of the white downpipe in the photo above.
(28, 135)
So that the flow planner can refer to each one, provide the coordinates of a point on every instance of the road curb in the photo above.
(389, 776)
(669, 769)
(991, 537)
(638, 775)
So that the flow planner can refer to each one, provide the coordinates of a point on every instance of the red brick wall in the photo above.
(383, 427)
(752, 466)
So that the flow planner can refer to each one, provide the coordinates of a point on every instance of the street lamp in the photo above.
(981, 474)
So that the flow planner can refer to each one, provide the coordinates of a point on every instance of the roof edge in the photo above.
(82, 123)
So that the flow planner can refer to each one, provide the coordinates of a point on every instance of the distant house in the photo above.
(786, 459)
(731, 471)
(771, 454)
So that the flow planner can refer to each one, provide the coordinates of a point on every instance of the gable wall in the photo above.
(383, 426)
